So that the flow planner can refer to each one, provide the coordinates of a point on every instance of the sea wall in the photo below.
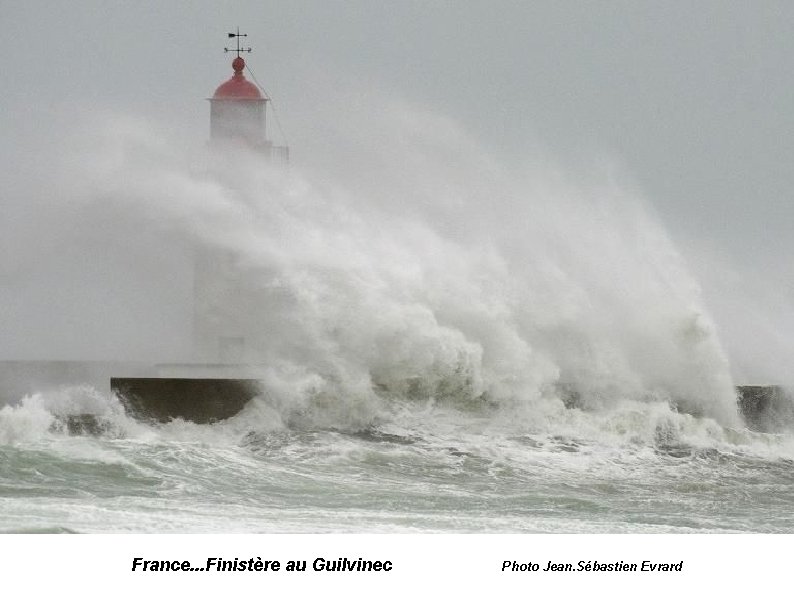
(200, 400)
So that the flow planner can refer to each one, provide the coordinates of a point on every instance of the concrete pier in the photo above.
(206, 393)
(200, 400)
(765, 408)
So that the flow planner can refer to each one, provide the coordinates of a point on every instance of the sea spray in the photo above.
(481, 284)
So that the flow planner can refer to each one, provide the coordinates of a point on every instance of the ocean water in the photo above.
(420, 321)
(425, 467)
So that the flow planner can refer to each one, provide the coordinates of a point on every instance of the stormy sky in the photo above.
(693, 102)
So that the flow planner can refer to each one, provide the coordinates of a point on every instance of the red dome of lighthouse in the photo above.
(237, 87)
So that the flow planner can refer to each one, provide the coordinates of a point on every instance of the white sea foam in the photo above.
(452, 278)
(27, 421)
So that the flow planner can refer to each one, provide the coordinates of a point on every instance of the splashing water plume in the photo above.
(429, 272)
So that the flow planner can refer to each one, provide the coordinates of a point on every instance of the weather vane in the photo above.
(237, 35)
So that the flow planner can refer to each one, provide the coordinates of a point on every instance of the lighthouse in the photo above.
(228, 337)
(226, 301)
(238, 110)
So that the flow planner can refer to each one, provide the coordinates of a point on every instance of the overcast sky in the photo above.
(694, 100)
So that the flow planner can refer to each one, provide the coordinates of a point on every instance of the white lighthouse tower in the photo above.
(224, 297)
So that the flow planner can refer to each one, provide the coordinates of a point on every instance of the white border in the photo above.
(88, 564)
